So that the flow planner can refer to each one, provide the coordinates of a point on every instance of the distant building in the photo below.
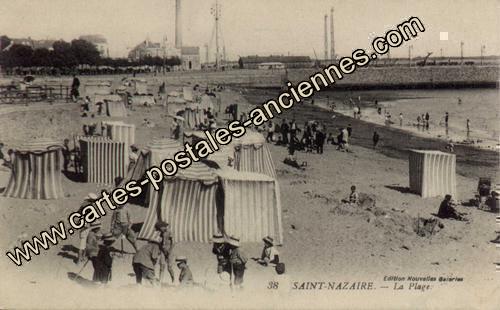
(146, 49)
(253, 62)
(34, 44)
(271, 65)
(99, 42)
(189, 55)
(190, 58)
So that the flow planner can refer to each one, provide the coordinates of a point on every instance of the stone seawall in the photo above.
(363, 78)
(415, 77)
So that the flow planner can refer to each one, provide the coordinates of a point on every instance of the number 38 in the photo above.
(272, 285)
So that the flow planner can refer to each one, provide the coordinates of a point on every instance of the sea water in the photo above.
(480, 106)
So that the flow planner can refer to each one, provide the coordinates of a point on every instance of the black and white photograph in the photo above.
(266, 154)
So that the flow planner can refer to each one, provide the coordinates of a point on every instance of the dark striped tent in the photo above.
(36, 171)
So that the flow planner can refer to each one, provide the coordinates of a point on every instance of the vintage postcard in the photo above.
(230, 154)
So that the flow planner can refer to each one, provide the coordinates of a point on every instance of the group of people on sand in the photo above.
(310, 138)
(87, 108)
(96, 246)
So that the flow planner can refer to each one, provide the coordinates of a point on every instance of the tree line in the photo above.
(73, 56)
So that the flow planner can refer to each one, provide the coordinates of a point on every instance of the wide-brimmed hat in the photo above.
(160, 224)
(268, 240)
(91, 196)
(218, 238)
(234, 241)
(181, 259)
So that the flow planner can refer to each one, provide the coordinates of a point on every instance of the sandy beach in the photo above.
(325, 240)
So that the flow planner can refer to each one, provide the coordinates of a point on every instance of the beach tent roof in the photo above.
(38, 175)
(198, 171)
(39, 145)
(174, 94)
(108, 97)
(161, 149)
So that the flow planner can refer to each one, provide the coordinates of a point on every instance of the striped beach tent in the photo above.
(252, 205)
(103, 159)
(143, 100)
(253, 155)
(120, 131)
(140, 87)
(222, 157)
(432, 173)
(194, 115)
(152, 155)
(114, 105)
(36, 171)
(187, 202)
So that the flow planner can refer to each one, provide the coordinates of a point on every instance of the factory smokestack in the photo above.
(178, 24)
(326, 37)
(332, 40)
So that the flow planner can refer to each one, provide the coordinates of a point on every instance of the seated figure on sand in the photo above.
(447, 211)
(270, 254)
(221, 250)
(185, 276)
(353, 198)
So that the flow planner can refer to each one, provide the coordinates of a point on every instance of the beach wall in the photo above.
(414, 77)
(363, 78)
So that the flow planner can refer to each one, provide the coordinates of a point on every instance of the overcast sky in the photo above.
(259, 26)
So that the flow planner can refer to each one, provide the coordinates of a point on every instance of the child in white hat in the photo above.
(270, 254)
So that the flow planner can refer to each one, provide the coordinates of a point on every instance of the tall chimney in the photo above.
(326, 37)
(332, 41)
(178, 24)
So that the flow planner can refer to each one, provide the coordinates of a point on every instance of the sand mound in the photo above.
(394, 222)
(427, 227)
